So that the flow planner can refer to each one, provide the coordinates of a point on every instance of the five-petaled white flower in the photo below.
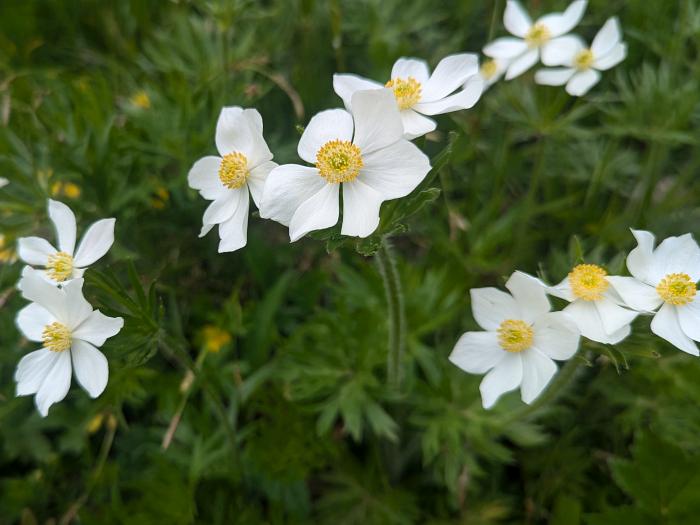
(543, 38)
(418, 93)
(666, 277)
(522, 338)
(491, 71)
(595, 306)
(364, 151)
(582, 65)
(70, 330)
(244, 165)
(67, 263)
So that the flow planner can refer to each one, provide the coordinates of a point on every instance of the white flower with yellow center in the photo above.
(582, 64)
(666, 277)
(595, 306)
(66, 263)
(491, 71)
(419, 93)
(521, 340)
(242, 168)
(70, 332)
(363, 151)
(543, 38)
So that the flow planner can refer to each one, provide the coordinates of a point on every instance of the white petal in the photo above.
(689, 318)
(32, 319)
(36, 289)
(319, 211)
(614, 317)
(360, 209)
(449, 75)
(505, 48)
(234, 231)
(90, 365)
(516, 20)
(635, 294)
(346, 85)
(237, 130)
(222, 208)
(505, 376)
(97, 328)
(522, 63)
(562, 290)
(411, 67)
(477, 352)
(77, 308)
(581, 82)
(556, 335)
(667, 326)
(332, 124)
(529, 294)
(204, 176)
(395, 171)
(32, 370)
(256, 180)
(538, 370)
(64, 221)
(35, 250)
(640, 259)
(377, 120)
(561, 23)
(562, 51)
(607, 38)
(554, 77)
(416, 125)
(464, 99)
(491, 307)
(612, 58)
(676, 255)
(588, 321)
(95, 243)
(55, 384)
(286, 188)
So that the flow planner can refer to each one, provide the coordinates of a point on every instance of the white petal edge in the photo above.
(507, 375)
(96, 242)
(529, 294)
(286, 188)
(32, 319)
(377, 120)
(582, 82)
(331, 124)
(477, 352)
(90, 366)
(345, 85)
(361, 206)
(97, 328)
(64, 221)
(35, 250)
(538, 370)
(234, 231)
(55, 384)
(667, 326)
(516, 20)
(319, 211)
(491, 306)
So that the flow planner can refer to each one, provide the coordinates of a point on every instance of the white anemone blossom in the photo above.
(419, 93)
(491, 71)
(66, 263)
(362, 151)
(242, 169)
(521, 339)
(70, 332)
(666, 277)
(545, 38)
(595, 306)
(582, 64)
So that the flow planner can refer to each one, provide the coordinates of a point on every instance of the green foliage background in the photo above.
(293, 420)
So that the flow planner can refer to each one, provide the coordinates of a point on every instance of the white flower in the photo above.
(364, 151)
(522, 338)
(419, 93)
(67, 263)
(583, 64)
(492, 70)
(544, 37)
(595, 306)
(3, 182)
(666, 277)
(244, 165)
(70, 330)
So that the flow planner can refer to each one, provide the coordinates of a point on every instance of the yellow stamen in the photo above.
(60, 266)
(537, 35)
(56, 337)
(515, 335)
(677, 289)
(489, 69)
(406, 90)
(583, 59)
(233, 171)
(588, 282)
(339, 161)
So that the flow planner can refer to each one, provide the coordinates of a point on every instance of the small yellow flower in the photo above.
(162, 196)
(7, 254)
(66, 189)
(214, 338)
(140, 99)
(95, 423)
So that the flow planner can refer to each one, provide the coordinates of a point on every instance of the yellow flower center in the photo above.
(583, 59)
(677, 289)
(537, 35)
(56, 337)
(588, 282)
(339, 161)
(233, 170)
(489, 69)
(60, 266)
(406, 90)
(515, 335)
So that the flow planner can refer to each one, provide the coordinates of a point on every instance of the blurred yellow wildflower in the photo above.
(140, 99)
(7, 254)
(214, 338)
(161, 198)
(66, 189)
(95, 423)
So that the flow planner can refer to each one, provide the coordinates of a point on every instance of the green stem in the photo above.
(395, 309)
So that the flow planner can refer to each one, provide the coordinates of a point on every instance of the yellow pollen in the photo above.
(677, 289)
(233, 171)
(339, 161)
(537, 35)
(406, 90)
(515, 335)
(60, 266)
(489, 69)
(56, 337)
(583, 59)
(588, 282)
